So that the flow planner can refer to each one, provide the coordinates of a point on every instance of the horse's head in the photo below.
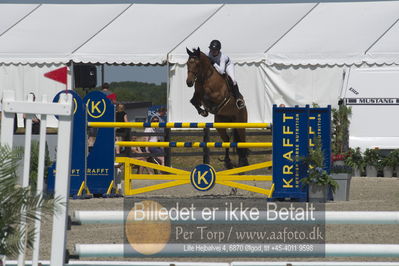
(193, 65)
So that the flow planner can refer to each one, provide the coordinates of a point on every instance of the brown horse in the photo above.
(213, 93)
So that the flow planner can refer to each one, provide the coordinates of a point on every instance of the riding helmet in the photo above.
(215, 45)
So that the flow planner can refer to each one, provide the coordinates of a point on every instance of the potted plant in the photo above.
(372, 160)
(390, 162)
(342, 174)
(354, 159)
(395, 154)
(340, 132)
(318, 180)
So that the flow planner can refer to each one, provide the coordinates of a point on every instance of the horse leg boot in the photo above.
(242, 157)
(239, 136)
(194, 101)
(227, 161)
(238, 96)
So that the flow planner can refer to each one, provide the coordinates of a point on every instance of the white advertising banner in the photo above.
(373, 94)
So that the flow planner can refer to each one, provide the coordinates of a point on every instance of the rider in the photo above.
(223, 64)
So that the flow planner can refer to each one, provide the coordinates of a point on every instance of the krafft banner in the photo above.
(294, 129)
(290, 143)
(320, 126)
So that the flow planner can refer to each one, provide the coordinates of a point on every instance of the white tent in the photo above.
(135, 37)
(335, 34)
(246, 31)
(385, 50)
(290, 52)
(50, 33)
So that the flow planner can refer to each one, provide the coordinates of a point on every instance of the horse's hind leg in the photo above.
(227, 161)
(239, 136)
(223, 134)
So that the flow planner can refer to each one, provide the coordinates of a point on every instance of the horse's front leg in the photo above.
(225, 138)
(197, 104)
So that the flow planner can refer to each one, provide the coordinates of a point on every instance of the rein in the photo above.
(194, 74)
(223, 104)
(202, 78)
(205, 72)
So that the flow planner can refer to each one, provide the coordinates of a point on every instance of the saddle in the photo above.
(230, 85)
(233, 91)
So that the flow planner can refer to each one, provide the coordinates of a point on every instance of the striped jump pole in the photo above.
(195, 144)
(177, 125)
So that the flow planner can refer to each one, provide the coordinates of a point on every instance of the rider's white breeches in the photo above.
(230, 71)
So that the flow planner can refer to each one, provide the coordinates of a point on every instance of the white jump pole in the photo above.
(98, 217)
(329, 217)
(362, 217)
(362, 250)
(154, 263)
(330, 250)
(238, 263)
(99, 250)
(314, 263)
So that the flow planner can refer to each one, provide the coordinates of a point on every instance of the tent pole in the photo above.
(167, 151)
(72, 76)
(102, 74)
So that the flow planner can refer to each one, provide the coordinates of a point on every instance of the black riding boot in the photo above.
(238, 96)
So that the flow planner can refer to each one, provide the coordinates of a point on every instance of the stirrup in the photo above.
(240, 103)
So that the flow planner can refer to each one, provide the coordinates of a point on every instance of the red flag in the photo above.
(59, 75)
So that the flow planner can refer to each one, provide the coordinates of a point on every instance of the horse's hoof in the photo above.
(228, 165)
(243, 162)
(204, 113)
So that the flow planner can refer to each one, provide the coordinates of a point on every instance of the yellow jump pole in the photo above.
(195, 144)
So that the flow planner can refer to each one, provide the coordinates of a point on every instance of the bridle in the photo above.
(192, 72)
(195, 74)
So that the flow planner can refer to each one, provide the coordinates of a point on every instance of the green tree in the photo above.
(140, 91)
(133, 91)
(340, 127)
(18, 203)
(34, 163)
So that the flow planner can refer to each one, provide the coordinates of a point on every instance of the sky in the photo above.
(149, 74)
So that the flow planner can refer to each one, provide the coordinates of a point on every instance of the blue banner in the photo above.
(294, 130)
(320, 126)
(100, 161)
(78, 147)
(290, 143)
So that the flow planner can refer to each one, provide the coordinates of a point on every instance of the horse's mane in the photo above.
(204, 57)
(207, 61)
